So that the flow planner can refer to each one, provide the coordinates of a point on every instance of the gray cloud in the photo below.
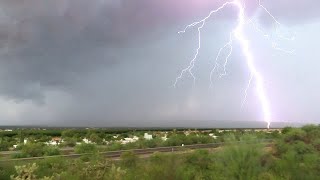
(114, 62)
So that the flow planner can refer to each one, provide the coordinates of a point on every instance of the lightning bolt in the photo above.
(238, 34)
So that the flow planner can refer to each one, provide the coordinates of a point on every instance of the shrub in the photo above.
(33, 149)
(25, 172)
(85, 148)
(19, 155)
(51, 151)
(129, 159)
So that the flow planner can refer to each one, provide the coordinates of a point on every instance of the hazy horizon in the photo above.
(190, 124)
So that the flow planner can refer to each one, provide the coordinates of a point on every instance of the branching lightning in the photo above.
(238, 34)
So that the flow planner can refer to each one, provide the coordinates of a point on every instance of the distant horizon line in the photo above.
(131, 127)
(252, 125)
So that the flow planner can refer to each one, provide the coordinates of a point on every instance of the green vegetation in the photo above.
(294, 154)
(85, 148)
(110, 138)
(36, 150)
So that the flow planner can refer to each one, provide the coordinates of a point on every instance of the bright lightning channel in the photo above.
(238, 34)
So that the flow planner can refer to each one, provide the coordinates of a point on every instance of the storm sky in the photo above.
(114, 63)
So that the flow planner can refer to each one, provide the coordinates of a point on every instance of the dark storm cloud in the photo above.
(51, 44)
(116, 59)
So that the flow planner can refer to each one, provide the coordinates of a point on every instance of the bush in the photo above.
(69, 142)
(25, 172)
(199, 159)
(114, 146)
(19, 155)
(6, 170)
(51, 165)
(33, 149)
(85, 148)
(316, 144)
(36, 150)
(51, 151)
(295, 135)
(242, 159)
(129, 159)
(4, 145)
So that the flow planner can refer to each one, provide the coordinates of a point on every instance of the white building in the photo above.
(212, 135)
(129, 140)
(147, 136)
(52, 143)
(55, 141)
(87, 141)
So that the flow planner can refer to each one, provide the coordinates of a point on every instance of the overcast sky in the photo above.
(114, 63)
